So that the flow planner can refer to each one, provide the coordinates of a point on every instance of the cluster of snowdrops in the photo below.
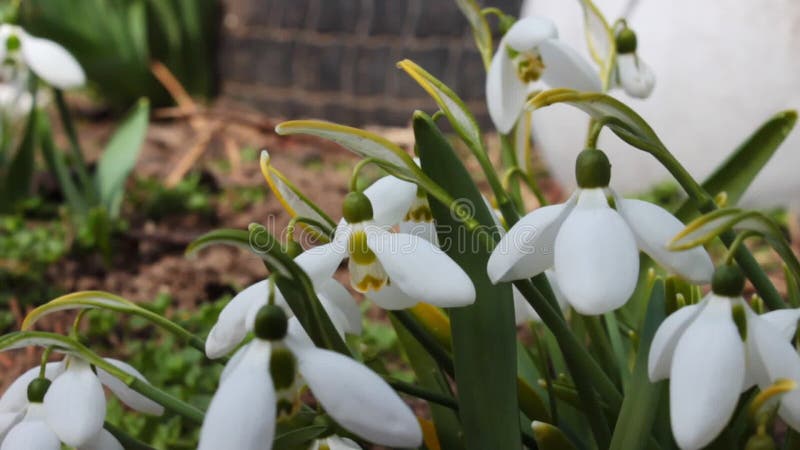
(288, 334)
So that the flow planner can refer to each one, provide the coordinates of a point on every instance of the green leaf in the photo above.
(365, 144)
(452, 106)
(484, 338)
(120, 157)
(299, 437)
(58, 167)
(549, 437)
(448, 428)
(480, 28)
(739, 170)
(642, 397)
(19, 175)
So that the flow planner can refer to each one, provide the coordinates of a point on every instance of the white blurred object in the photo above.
(721, 68)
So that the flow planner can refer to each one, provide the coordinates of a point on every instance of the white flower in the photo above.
(594, 248)
(74, 406)
(237, 318)
(395, 270)
(335, 443)
(528, 52)
(632, 74)
(709, 363)
(354, 396)
(48, 60)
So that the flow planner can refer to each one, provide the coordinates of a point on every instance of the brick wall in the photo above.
(335, 59)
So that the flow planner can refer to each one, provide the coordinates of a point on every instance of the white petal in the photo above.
(391, 297)
(662, 348)
(358, 399)
(706, 376)
(242, 412)
(7, 421)
(321, 262)
(391, 198)
(421, 270)
(527, 33)
(505, 92)
(566, 68)
(230, 329)
(15, 399)
(296, 337)
(523, 311)
(31, 435)
(75, 405)
(336, 443)
(127, 395)
(783, 321)
(635, 77)
(234, 361)
(102, 441)
(653, 227)
(773, 358)
(52, 62)
(341, 298)
(596, 259)
(527, 249)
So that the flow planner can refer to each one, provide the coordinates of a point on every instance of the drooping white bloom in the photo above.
(395, 270)
(237, 318)
(530, 51)
(48, 60)
(353, 395)
(593, 247)
(74, 407)
(709, 361)
(632, 74)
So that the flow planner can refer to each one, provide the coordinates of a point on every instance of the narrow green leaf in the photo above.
(739, 170)
(299, 437)
(480, 28)
(120, 157)
(429, 376)
(484, 338)
(58, 167)
(549, 437)
(641, 401)
(452, 106)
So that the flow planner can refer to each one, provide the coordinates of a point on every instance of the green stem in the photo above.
(439, 354)
(419, 392)
(599, 341)
(529, 182)
(173, 328)
(508, 154)
(587, 375)
(75, 146)
(167, 401)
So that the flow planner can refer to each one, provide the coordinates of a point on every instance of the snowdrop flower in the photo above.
(530, 51)
(238, 316)
(74, 406)
(45, 58)
(354, 396)
(713, 350)
(633, 75)
(395, 270)
(335, 443)
(594, 248)
(35, 429)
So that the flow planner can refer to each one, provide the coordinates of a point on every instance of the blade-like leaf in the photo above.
(452, 106)
(19, 176)
(737, 172)
(484, 341)
(120, 157)
(57, 165)
(642, 397)
(366, 144)
(480, 28)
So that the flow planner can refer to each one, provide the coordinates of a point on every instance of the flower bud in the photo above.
(727, 281)
(626, 41)
(356, 208)
(13, 43)
(37, 389)
(271, 323)
(592, 169)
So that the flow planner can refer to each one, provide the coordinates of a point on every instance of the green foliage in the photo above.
(115, 40)
(158, 201)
